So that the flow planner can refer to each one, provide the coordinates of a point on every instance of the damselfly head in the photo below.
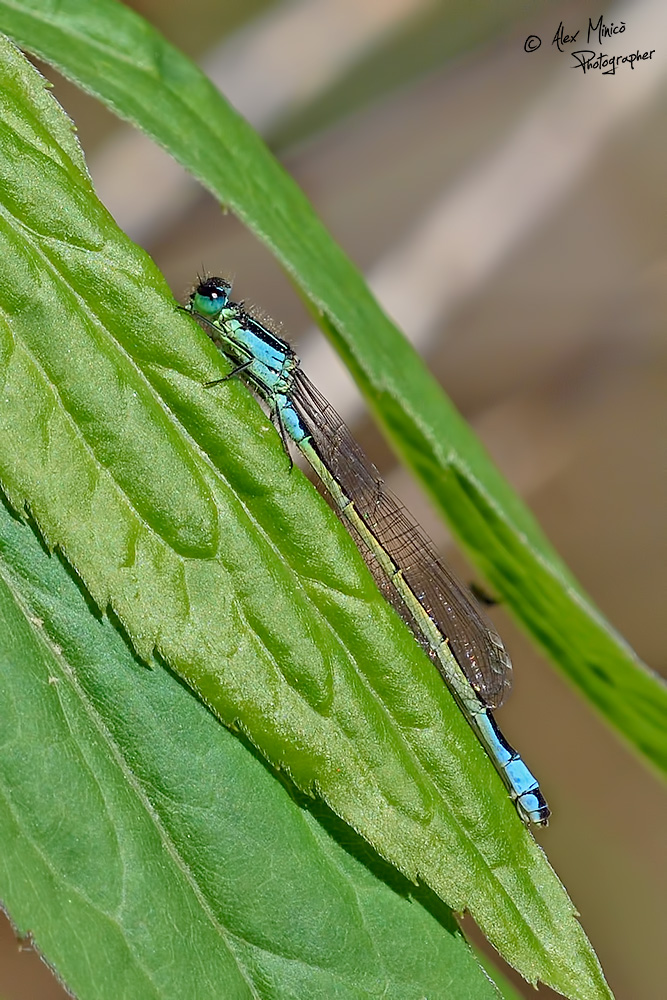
(210, 297)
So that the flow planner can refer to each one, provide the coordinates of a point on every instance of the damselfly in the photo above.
(443, 615)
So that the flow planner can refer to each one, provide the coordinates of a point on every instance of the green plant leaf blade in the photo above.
(259, 599)
(135, 828)
(117, 56)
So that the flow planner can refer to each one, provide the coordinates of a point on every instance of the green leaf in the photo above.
(132, 821)
(177, 508)
(117, 56)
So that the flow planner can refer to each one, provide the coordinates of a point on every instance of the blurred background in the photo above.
(509, 212)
